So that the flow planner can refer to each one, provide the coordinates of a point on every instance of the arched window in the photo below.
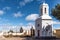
(45, 10)
(38, 25)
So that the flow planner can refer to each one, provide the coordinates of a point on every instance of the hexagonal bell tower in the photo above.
(43, 24)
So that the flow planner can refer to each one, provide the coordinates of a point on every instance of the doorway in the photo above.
(38, 33)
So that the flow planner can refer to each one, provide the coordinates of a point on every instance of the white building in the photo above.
(43, 24)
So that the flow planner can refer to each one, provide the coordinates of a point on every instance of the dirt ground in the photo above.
(15, 38)
(12, 38)
(22, 38)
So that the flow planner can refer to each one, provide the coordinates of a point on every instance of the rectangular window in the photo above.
(38, 25)
(45, 10)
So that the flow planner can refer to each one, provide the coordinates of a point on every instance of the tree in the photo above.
(32, 31)
(21, 30)
(56, 12)
(10, 31)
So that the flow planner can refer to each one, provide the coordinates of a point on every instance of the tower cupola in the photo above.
(44, 9)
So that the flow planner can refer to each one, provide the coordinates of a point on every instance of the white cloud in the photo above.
(1, 12)
(18, 7)
(31, 25)
(3, 21)
(38, 0)
(55, 22)
(7, 8)
(21, 24)
(56, 27)
(32, 17)
(41, 0)
(24, 2)
(18, 14)
(27, 1)
(28, 27)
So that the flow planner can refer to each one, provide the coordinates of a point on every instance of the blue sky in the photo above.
(22, 12)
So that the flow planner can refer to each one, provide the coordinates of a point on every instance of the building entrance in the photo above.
(38, 33)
